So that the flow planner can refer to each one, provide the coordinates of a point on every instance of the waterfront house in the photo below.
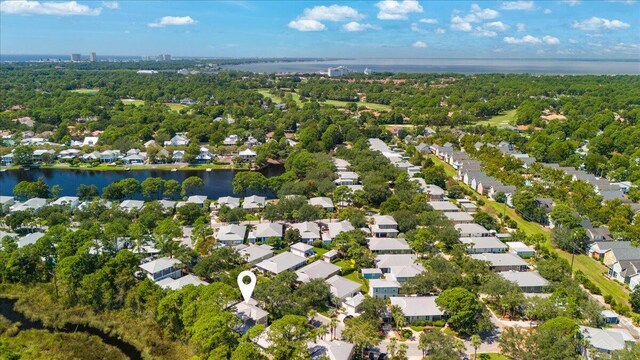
(254, 203)
(131, 205)
(33, 204)
(178, 156)
(7, 159)
(71, 201)
(39, 153)
(109, 156)
(162, 268)
(418, 308)
(247, 154)
(5, 203)
(228, 201)
(197, 199)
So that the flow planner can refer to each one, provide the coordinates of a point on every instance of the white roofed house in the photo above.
(459, 217)
(177, 140)
(282, 262)
(388, 246)
(254, 254)
(250, 315)
(39, 153)
(131, 205)
(335, 228)
(341, 164)
(443, 205)
(204, 156)
(384, 226)
(33, 204)
(228, 201)
(28, 239)
(137, 158)
(90, 141)
(332, 350)
(604, 341)
(317, 270)
(309, 231)
(7, 159)
(301, 249)
(342, 288)
(5, 203)
(528, 281)
(324, 202)
(521, 249)
(162, 268)
(247, 154)
(230, 235)
(179, 283)
(472, 230)
(418, 308)
(487, 244)
(71, 201)
(503, 262)
(109, 156)
(231, 140)
(197, 199)
(346, 178)
(264, 231)
(507, 190)
(178, 155)
(254, 203)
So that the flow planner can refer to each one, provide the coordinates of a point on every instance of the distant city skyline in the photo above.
(352, 29)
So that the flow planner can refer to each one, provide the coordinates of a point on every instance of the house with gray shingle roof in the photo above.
(282, 262)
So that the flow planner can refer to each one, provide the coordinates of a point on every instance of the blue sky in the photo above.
(365, 29)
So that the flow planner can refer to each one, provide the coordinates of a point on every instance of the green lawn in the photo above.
(354, 277)
(133, 102)
(504, 119)
(296, 98)
(176, 107)
(495, 356)
(372, 106)
(320, 251)
(86, 91)
(590, 267)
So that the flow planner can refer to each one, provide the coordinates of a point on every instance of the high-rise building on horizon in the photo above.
(93, 57)
(76, 57)
(167, 57)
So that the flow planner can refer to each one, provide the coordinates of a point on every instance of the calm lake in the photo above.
(216, 182)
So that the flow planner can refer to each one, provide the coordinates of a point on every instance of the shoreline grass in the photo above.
(167, 167)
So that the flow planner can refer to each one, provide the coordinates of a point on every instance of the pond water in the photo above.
(217, 183)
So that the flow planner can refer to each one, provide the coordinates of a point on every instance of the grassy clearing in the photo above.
(319, 251)
(354, 277)
(495, 356)
(176, 107)
(336, 103)
(504, 119)
(86, 91)
(591, 268)
(133, 102)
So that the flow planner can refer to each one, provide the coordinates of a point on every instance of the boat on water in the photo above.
(127, 168)
(174, 169)
(209, 170)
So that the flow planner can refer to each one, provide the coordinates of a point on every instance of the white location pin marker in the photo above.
(246, 289)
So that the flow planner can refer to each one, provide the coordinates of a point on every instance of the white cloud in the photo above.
(420, 45)
(173, 21)
(628, 2)
(572, 2)
(497, 26)
(68, 8)
(440, 31)
(597, 23)
(527, 39)
(331, 13)
(356, 26)
(517, 5)
(521, 26)
(551, 40)
(480, 31)
(428, 21)
(111, 5)
(475, 15)
(397, 10)
(307, 25)
(547, 11)
(573, 41)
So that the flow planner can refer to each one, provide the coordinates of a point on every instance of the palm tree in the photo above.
(312, 315)
(392, 348)
(333, 325)
(398, 317)
(476, 341)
